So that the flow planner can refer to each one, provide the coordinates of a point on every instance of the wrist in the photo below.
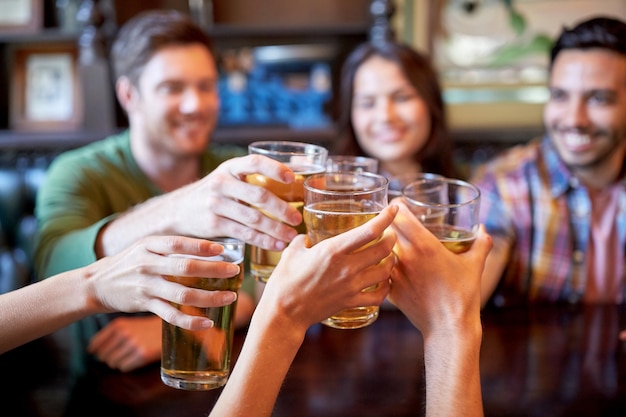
(452, 366)
(274, 319)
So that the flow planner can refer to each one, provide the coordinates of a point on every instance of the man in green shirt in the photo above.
(157, 178)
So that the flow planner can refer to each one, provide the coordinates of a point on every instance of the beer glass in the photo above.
(448, 208)
(398, 182)
(335, 202)
(304, 159)
(200, 359)
(351, 163)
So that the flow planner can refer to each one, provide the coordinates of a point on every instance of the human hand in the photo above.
(223, 204)
(133, 280)
(128, 343)
(311, 284)
(435, 288)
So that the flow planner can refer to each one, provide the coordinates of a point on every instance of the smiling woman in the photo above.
(392, 110)
(389, 117)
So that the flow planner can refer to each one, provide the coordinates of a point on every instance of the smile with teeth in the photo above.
(388, 135)
(576, 139)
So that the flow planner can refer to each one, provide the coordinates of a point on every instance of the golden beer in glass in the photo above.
(200, 359)
(448, 208)
(336, 202)
(305, 160)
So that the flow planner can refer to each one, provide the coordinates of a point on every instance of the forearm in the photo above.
(146, 219)
(41, 308)
(269, 349)
(65, 249)
(453, 372)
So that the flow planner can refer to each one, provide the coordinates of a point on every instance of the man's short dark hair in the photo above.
(148, 32)
(598, 32)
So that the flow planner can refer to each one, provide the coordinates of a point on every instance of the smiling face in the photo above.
(390, 119)
(586, 113)
(175, 105)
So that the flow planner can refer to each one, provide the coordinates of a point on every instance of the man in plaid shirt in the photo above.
(556, 207)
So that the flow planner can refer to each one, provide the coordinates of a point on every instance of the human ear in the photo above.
(126, 93)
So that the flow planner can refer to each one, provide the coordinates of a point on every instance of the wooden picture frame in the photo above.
(21, 16)
(45, 88)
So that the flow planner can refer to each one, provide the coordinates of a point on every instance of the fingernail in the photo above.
(207, 324)
(229, 297)
(280, 245)
(289, 176)
(296, 218)
(216, 247)
(232, 269)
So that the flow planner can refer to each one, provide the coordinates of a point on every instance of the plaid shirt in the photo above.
(530, 196)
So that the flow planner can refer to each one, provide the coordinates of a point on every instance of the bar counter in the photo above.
(557, 360)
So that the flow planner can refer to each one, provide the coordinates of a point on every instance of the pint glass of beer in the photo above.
(304, 159)
(398, 182)
(448, 208)
(335, 202)
(351, 163)
(200, 359)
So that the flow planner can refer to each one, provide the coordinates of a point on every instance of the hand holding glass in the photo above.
(304, 159)
(336, 202)
(200, 360)
(448, 208)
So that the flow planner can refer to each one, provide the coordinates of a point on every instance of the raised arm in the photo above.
(220, 204)
(131, 281)
(439, 292)
(297, 296)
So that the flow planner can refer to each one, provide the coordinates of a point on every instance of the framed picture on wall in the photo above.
(21, 16)
(45, 88)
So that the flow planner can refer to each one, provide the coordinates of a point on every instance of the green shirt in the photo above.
(85, 188)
